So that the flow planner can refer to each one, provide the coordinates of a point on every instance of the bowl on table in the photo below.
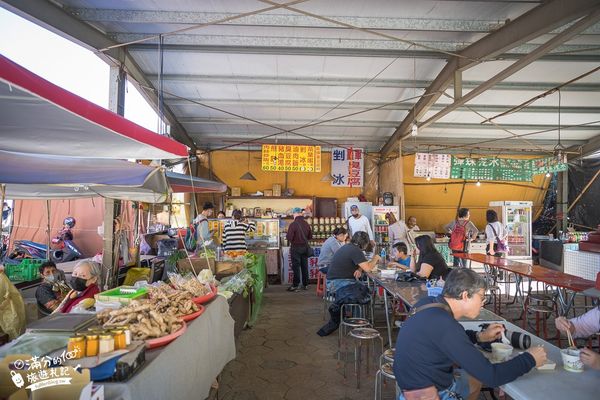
(501, 352)
(571, 360)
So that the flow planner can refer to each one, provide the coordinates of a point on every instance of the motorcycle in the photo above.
(62, 248)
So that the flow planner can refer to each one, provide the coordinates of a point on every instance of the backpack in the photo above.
(458, 236)
(190, 237)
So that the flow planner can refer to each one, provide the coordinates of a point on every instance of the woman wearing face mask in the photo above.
(84, 281)
(48, 295)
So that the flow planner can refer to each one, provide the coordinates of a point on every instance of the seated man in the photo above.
(349, 262)
(48, 294)
(582, 327)
(432, 341)
(400, 256)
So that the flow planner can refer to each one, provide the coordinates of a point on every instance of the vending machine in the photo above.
(380, 224)
(515, 217)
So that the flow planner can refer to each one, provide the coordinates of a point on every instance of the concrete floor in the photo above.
(282, 357)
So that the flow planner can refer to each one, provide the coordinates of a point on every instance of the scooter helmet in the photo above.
(69, 221)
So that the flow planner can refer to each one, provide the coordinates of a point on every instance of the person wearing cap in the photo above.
(201, 221)
(584, 326)
(359, 223)
(298, 235)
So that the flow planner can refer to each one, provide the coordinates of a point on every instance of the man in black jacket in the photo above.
(432, 341)
(298, 235)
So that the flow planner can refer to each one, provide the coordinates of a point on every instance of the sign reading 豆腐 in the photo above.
(291, 158)
(347, 167)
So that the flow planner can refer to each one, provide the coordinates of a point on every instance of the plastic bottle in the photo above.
(382, 254)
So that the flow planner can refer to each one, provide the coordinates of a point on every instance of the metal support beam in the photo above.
(592, 147)
(564, 188)
(194, 79)
(538, 21)
(457, 84)
(564, 36)
(340, 52)
(57, 20)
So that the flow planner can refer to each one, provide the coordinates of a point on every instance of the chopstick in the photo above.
(570, 339)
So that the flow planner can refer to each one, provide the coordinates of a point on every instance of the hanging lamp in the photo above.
(248, 175)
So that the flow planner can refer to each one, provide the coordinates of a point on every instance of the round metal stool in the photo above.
(389, 354)
(351, 316)
(361, 334)
(386, 371)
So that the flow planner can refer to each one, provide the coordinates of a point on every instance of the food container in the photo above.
(571, 360)
(268, 193)
(106, 344)
(236, 191)
(501, 352)
(91, 345)
(76, 346)
(127, 332)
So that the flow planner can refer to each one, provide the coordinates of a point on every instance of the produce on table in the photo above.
(238, 283)
(143, 320)
(208, 253)
(235, 253)
(170, 301)
(189, 284)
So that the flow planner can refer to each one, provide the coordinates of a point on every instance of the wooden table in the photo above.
(410, 293)
(551, 277)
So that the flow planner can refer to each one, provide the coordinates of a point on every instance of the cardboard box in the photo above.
(229, 267)
(268, 193)
(277, 190)
(198, 263)
(236, 191)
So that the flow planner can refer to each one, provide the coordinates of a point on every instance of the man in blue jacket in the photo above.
(432, 341)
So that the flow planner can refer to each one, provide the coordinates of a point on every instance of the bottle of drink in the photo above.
(382, 254)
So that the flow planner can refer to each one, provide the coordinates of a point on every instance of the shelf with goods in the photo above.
(321, 228)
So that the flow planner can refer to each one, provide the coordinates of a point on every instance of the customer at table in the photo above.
(400, 257)
(331, 245)
(494, 234)
(430, 263)
(349, 262)
(583, 326)
(399, 230)
(432, 341)
(84, 282)
(234, 232)
(465, 231)
(48, 293)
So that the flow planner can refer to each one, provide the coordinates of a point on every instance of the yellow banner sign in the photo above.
(291, 158)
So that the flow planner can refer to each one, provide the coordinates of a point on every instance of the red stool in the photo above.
(321, 283)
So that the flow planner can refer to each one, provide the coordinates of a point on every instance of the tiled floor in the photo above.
(282, 357)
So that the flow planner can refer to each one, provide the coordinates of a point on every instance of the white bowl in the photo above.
(571, 360)
(501, 352)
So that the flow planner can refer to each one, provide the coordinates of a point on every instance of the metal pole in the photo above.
(48, 229)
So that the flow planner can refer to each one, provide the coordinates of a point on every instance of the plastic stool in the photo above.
(361, 334)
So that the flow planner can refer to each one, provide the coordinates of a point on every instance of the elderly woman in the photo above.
(84, 281)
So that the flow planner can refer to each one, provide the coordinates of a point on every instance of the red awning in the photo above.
(41, 118)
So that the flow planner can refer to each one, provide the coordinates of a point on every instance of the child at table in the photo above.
(400, 256)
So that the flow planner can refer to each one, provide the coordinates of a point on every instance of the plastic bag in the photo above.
(136, 274)
(12, 308)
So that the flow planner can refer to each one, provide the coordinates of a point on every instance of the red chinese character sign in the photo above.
(291, 158)
(347, 167)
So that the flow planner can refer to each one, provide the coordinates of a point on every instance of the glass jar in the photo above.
(127, 332)
(91, 345)
(106, 344)
(76, 346)
(119, 337)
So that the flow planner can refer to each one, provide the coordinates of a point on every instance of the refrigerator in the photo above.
(380, 225)
(515, 216)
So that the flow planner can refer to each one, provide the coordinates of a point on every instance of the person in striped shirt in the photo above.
(234, 232)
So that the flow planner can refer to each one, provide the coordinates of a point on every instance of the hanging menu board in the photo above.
(497, 169)
(291, 158)
(347, 167)
(433, 165)
(548, 164)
